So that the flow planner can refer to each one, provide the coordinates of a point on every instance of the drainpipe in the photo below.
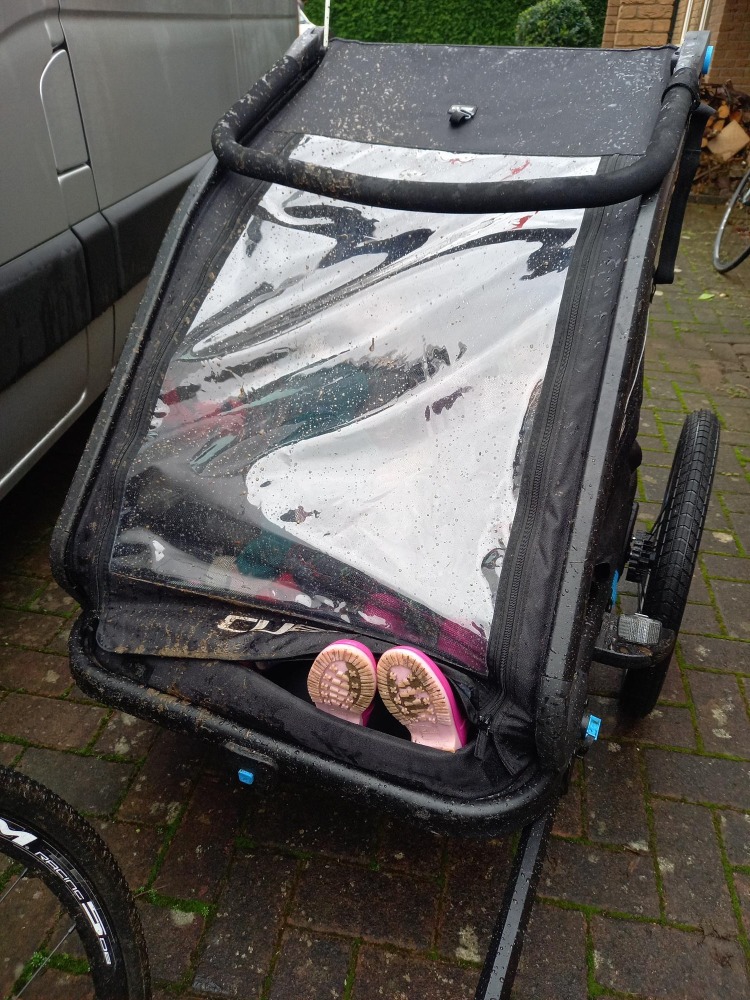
(686, 21)
(673, 21)
(704, 15)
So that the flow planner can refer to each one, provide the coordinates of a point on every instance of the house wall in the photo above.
(731, 28)
(648, 22)
(645, 22)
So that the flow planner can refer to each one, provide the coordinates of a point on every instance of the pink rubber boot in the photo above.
(342, 681)
(416, 692)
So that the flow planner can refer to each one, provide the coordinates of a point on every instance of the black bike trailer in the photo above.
(385, 384)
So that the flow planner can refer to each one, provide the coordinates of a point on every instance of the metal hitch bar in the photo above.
(498, 974)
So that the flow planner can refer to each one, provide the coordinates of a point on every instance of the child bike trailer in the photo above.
(362, 488)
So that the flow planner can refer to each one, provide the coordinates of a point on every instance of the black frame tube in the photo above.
(518, 195)
(691, 155)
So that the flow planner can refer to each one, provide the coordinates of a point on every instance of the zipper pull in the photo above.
(480, 747)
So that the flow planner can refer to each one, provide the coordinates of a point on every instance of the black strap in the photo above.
(688, 78)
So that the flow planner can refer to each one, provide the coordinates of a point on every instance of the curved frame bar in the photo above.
(248, 114)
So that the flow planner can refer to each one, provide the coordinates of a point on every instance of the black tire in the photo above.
(677, 533)
(732, 243)
(42, 833)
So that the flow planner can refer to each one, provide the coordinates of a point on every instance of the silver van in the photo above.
(106, 110)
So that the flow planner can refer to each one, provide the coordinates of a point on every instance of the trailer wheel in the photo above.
(676, 537)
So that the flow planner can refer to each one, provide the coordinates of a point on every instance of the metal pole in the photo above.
(496, 981)
(326, 23)
(686, 21)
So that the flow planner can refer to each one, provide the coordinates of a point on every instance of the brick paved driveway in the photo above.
(646, 891)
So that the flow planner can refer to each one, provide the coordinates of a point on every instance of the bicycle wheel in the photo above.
(732, 243)
(69, 923)
(677, 534)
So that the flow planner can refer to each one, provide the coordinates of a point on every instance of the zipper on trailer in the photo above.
(500, 647)
(483, 735)
(486, 734)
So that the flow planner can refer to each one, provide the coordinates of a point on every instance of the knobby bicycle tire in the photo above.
(678, 536)
(734, 224)
(53, 843)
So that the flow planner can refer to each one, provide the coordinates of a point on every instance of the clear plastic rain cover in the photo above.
(340, 434)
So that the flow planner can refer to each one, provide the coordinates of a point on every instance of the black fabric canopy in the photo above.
(533, 102)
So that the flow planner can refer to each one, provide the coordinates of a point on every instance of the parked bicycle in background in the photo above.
(732, 243)
(65, 909)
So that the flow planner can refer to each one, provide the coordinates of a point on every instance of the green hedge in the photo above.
(460, 22)
(555, 22)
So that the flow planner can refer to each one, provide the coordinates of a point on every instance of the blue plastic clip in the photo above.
(615, 581)
(707, 60)
(246, 777)
(593, 727)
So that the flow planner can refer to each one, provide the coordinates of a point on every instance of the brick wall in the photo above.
(610, 24)
(647, 22)
(715, 16)
(629, 23)
(730, 30)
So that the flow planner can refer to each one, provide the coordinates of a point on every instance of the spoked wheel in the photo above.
(675, 540)
(732, 244)
(69, 924)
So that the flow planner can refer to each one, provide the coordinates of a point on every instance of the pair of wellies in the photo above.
(345, 679)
